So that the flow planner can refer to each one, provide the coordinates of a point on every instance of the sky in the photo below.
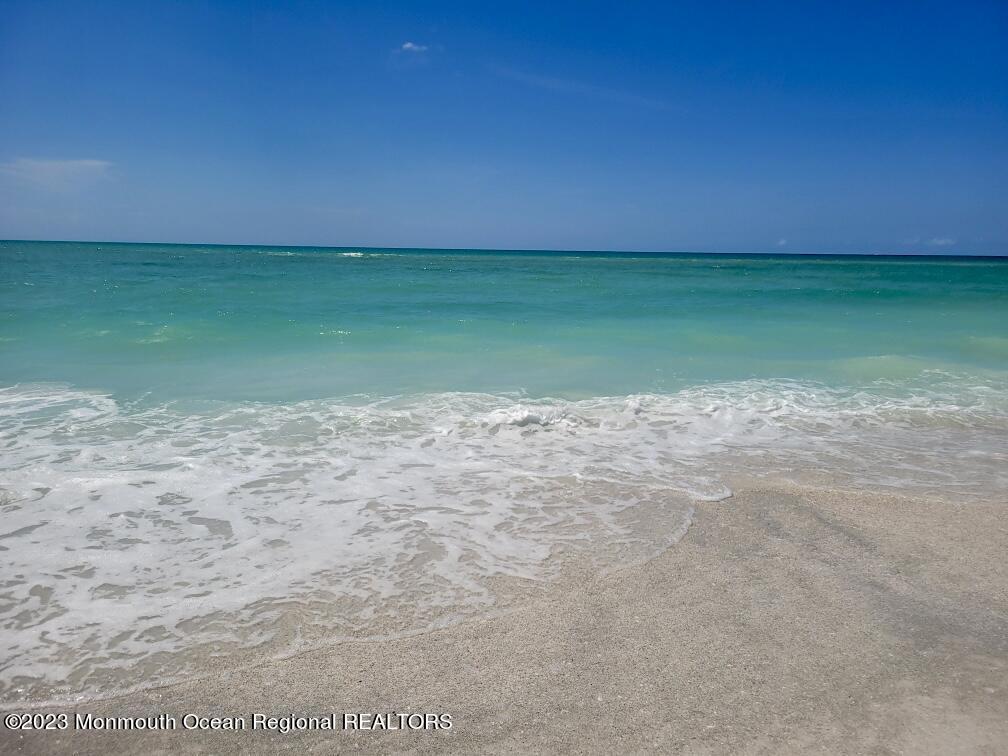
(685, 127)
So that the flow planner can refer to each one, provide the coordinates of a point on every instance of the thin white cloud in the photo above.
(782, 242)
(570, 86)
(942, 241)
(56, 175)
(413, 47)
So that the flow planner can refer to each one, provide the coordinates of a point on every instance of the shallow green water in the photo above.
(287, 324)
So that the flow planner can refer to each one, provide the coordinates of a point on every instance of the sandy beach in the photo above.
(785, 621)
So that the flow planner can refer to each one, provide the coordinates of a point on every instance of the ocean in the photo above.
(210, 452)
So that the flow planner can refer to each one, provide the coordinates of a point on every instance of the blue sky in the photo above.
(708, 127)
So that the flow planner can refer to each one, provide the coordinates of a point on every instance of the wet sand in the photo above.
(785, 621)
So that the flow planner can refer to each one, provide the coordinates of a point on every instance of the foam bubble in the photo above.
(136, 532)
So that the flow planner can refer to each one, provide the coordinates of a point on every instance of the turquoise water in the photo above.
(287, 324)
(209, 449)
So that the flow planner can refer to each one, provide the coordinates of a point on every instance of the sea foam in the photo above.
(135, 532)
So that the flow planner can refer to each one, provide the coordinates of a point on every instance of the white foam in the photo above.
(132, 532)
(521, 415)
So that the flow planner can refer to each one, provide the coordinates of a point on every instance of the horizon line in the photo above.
(774, 253)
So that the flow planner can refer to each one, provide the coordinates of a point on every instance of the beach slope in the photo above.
(785, 621)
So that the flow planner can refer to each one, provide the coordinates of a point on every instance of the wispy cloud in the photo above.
(413, 55)
(572, 86)
(942, 241)
(782, 242)
(56, 175)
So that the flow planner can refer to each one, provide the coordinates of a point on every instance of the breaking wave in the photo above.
(137, 532)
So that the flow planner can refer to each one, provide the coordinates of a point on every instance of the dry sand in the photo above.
(785, 621)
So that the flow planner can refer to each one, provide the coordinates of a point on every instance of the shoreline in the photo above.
(786, 619)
